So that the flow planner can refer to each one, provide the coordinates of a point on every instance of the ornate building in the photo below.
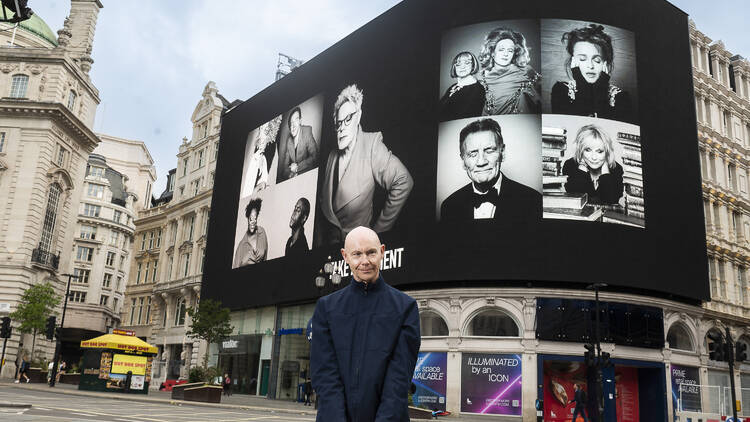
(169, 246)
(47, 108)
(119, 174)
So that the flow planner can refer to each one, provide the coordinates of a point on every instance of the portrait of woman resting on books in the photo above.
(593, 169)
(589, 64)
(465, 98)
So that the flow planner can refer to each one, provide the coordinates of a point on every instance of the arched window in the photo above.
(679, 338)
(494, 323)
(71, 100)
(432, 325)
(50, 218)
(18, 86)
(179, 313)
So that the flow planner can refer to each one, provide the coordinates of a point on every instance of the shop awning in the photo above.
(118, 342)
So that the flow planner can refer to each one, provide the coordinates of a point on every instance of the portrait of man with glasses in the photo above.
(359, 163)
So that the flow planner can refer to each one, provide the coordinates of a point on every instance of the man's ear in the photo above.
(343, 253)
(382, 248)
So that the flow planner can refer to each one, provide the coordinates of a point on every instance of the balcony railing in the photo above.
(46, 258)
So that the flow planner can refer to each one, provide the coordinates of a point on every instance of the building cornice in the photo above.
(55, 112)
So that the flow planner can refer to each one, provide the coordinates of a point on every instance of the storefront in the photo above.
(291, 357)
(117, 363)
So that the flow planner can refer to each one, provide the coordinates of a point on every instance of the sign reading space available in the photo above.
(121, 364)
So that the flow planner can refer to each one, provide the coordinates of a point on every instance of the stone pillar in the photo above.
(710, 225)
(529, 390)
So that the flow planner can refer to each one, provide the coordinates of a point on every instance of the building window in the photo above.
(190, 228)
(88, 232)
(158, 238)
(173, 231)
(140, 310)
(122, 262)
(79, 297)
(143, 241)
(153, 275)
(85, 254)
(50, 217)
(203, 258)
(431, 324)
(179, 313)
(493, 323)
(184, 166)
(216, 151)
(96, 171)
(90, 210)
(110, 259)
(200, 158)
(169, 268)
(107, 281)
(71, 99)
(103, 300)
(151, 239)
(61, 156)
(138, 273)
(679, 338)
(117, 216)
(132, 311)
(114, 304)
(186, 264)
(148, 310)
(145, 278)
(2, 141)
(18, 86)
(81, 276)
(114, 238)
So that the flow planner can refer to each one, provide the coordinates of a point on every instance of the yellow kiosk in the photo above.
(117, 362)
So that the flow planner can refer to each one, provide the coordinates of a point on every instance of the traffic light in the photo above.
(5, 328)
(740, 354)
(589, 356)
(50, 329)
(717, 349)
(605, 363)
(20, 8)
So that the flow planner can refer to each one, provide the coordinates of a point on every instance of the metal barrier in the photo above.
(714, 400)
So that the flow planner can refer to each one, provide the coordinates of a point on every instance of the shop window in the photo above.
(679, 338)
(494, 323)
(432, 325)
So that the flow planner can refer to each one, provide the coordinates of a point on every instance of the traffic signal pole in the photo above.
(731, 351)
(58, 340)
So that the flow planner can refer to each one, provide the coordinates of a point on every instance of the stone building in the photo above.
(47, 108)
(119, 174)
(169, 247)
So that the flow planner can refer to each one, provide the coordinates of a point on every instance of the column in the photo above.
(453, 382)
(529, 384)
(710, 226)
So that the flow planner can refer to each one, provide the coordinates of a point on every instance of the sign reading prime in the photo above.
(491, 140)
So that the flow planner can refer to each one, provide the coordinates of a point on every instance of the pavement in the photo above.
(28, 399)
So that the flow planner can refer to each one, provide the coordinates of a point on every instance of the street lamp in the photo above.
(326, 273)
(58, 341)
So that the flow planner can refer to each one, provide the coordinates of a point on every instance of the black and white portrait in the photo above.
(261, 160)
(592, 170)
(276, 221)
(489, 169)
(299, 139)
(359, 163)
(490, 69)
(589, 70)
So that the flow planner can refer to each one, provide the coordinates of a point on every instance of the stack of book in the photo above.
(554, 144)
(633, 176)
(569, 206)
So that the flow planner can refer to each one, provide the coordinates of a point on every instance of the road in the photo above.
(62, 407)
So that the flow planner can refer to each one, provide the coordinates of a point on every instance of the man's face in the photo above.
(347, 123)
(482, 156)
(294, 124)
(363, 253)
(252, 221)
(298, 215)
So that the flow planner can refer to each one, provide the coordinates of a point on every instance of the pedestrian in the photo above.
(227, 383)
(49, 370)
(60, 370)
(308, 392)
(365, 341)
(24, 369)
(580, 400)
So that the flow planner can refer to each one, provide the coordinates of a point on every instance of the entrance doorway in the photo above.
(265, 372)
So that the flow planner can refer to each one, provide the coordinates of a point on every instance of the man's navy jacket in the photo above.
(365, 341)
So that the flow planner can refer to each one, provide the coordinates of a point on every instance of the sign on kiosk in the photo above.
(121, 364)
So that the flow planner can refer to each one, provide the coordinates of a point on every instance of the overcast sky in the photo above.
(153, 58)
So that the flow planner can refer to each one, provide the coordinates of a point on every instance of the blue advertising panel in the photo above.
(491, 384)
(430, 380)
(686, 388)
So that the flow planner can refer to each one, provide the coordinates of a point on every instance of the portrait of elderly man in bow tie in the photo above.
(490, 193)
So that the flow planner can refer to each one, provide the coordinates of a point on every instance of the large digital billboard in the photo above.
(488, 143)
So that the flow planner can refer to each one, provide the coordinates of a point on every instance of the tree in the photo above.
(209, 322)
(37, 303)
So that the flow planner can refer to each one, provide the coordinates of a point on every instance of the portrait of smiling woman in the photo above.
(465, 98)
(593, 169)
(594, 67)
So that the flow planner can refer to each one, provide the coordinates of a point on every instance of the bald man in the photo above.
(365, 341)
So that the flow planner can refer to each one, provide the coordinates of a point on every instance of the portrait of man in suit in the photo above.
(490, 194)
(296, 245)
(301, 147)
(359, 163)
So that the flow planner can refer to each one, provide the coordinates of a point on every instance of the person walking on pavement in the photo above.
(580, 399)
(308, 392)
(227, 383)
(24, 369)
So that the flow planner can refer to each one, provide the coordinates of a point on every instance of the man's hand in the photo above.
(293, 167)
